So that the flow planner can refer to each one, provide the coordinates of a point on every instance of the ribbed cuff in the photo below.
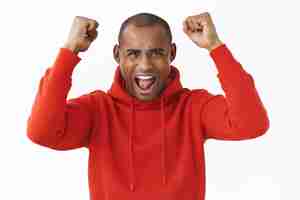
(225, 62)
(65, 62)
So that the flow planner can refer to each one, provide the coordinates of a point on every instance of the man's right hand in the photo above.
(83, 33)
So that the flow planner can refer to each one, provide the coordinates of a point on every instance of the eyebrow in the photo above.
(132, 50)
(161, 50)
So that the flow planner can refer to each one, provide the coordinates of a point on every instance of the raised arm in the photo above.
(239, 114)
(54, 121)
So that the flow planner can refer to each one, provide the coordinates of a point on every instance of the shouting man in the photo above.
(146, 134)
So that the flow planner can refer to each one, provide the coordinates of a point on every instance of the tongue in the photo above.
(145, 84)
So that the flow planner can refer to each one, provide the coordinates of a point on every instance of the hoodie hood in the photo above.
(119, 94)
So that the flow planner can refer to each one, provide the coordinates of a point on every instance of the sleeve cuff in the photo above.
(65, 62)
(225, 62)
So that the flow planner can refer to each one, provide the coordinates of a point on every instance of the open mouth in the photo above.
(145, 83)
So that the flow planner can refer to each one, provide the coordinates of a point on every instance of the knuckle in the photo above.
(78, 18)
(94, 23)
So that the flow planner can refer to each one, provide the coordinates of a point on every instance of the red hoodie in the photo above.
(146, 150)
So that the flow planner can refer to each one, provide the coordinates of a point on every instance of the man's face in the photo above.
(144, 56)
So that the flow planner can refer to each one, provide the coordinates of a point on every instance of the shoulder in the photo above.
(201, 97)
(97, 94)
(89, 99)
(200, 94)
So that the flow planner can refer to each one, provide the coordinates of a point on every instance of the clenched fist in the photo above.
(83, 33)
(201, 30)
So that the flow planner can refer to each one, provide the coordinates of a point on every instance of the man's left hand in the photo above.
(201, 30)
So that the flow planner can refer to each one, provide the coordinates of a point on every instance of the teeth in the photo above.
(144, 77)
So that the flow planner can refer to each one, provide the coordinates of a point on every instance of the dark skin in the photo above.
(145, 50)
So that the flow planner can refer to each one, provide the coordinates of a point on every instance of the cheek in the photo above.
(164, 68)
(127, 69)
(163, 61)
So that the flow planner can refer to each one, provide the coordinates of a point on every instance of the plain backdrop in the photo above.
(262, 35)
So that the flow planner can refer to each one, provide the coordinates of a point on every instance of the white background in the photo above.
(262, 35)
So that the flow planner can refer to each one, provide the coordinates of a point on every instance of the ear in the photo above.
(173, 52)
(116, 53)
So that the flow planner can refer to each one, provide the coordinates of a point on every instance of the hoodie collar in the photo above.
(119, 93)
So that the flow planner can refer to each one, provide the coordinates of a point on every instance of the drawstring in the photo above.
(132, 185)
(163, 135)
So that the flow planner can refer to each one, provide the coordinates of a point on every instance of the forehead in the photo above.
(153, 36)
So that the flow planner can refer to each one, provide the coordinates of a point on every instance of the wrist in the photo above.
(215, 45)
(72, 48)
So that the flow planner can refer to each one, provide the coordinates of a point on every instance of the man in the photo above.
(145, 135)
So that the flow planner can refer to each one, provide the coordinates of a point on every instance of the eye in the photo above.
(157, 52)
(133, 54)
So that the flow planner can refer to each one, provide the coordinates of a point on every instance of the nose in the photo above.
(145, 64)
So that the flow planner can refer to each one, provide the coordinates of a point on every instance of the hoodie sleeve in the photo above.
(55, 122)
(239, 114)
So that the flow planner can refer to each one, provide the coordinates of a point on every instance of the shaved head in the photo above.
(145, 19)
(145, 49)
